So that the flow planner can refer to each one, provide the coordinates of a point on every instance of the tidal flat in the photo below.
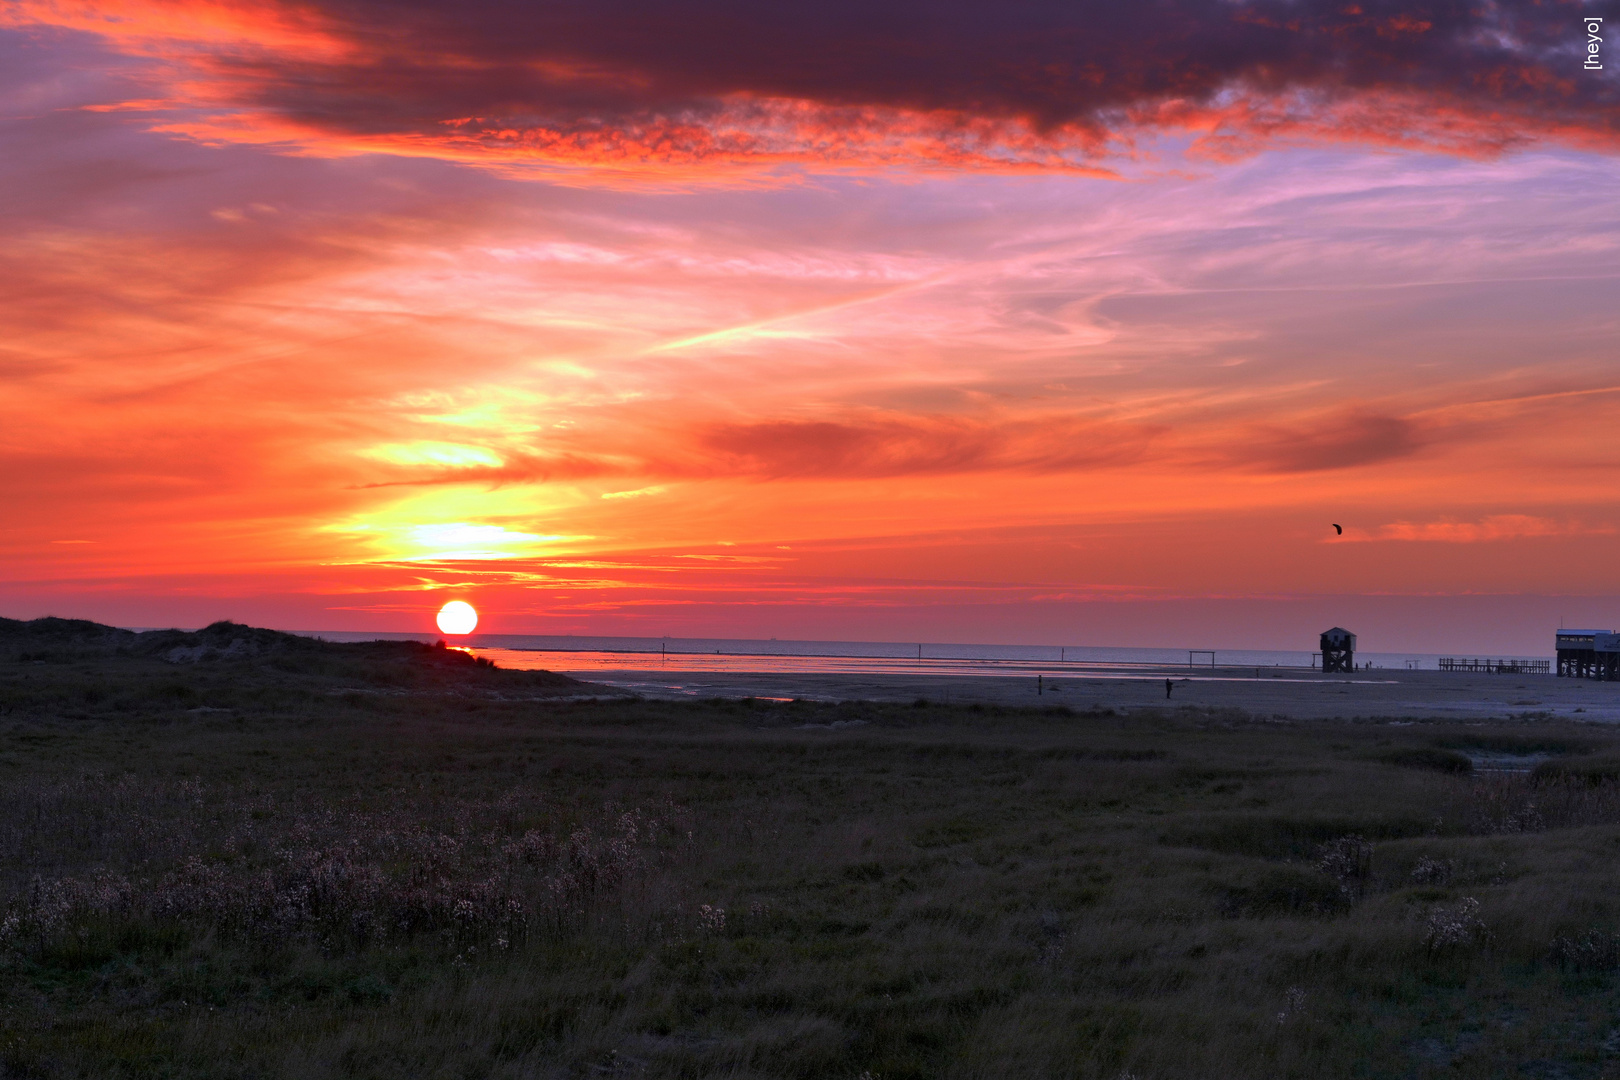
(238, 854)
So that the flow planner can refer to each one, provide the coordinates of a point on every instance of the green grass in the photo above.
(743, 889)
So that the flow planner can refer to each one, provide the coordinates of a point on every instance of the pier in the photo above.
(1498, 667)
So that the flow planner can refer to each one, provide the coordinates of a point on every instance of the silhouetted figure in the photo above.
(1168, 686)
(1338, 529)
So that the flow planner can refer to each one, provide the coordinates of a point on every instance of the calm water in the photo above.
(742, 655)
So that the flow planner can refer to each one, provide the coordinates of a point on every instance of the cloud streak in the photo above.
(1340, 440)
(920, 446)
(1486, 530)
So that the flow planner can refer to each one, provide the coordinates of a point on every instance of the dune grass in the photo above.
(323, 863)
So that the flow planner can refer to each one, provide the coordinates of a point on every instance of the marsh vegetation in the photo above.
(384, 861)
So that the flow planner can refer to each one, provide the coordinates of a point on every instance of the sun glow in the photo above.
(448, 455)
(457, 617)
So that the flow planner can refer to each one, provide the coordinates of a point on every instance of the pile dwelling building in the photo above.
(1589, 654)
(1338, 650)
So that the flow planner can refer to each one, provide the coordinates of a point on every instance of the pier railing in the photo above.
(1497, 667)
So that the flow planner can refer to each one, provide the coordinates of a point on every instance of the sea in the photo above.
(602, 655)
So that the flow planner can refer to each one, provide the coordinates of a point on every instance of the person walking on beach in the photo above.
(1168, 686)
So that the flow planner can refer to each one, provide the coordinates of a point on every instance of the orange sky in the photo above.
(294, 337)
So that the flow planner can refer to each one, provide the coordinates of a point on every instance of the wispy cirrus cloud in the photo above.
(1339, 440)
(1485, 530)
(921, 445)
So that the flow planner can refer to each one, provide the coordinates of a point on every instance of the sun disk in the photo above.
(457, 617)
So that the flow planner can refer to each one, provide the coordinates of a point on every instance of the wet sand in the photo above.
(1294, 693)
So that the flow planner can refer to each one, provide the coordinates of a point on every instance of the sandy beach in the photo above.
(1295, 693)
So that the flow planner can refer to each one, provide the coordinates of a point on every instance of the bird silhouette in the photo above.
(1338, 529)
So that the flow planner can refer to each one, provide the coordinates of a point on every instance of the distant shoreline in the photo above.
(893, 650)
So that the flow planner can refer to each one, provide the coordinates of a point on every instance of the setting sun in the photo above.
(457, 617)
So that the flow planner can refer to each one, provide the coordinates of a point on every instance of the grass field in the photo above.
(241, 855)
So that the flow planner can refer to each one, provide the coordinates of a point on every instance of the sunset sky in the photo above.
(1024, 322)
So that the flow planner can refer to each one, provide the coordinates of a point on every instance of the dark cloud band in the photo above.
(1037, 83)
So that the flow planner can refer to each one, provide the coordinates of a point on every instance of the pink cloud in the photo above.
(1485, 530)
